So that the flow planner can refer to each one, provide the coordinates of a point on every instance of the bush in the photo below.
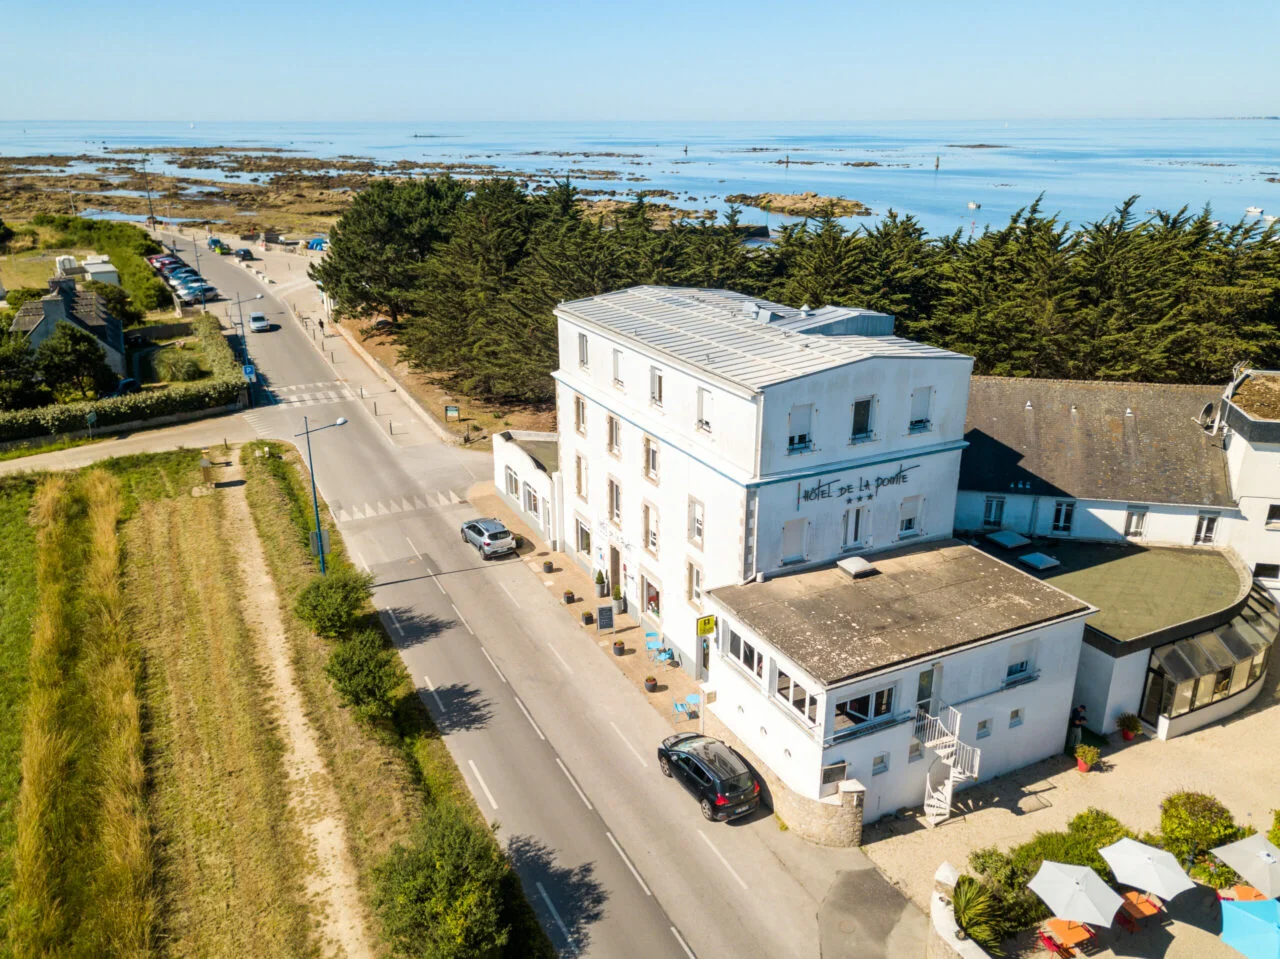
(1274, 833)
(1192, 823)
(1089, 755)
(175, 365)
(330, 604)
(366, 674)
(440, 897)
(1129, 723)
(977, 912)
(126, 244)
(1214, 874)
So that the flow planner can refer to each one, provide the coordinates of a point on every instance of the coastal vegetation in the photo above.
(1167, 297)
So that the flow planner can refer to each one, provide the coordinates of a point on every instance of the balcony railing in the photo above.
(1021, 679)
(865, 729)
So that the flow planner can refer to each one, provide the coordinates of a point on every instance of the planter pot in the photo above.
(602, 590)
(588, 619)
(1128, 735)
(1083, 766)
(619, 649)
(548, 566)
(568, 597)
(650, 685)
(619, 606)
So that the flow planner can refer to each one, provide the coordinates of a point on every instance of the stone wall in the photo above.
(835, 821)
(944, 940)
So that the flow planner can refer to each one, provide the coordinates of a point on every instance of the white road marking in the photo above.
(412, 547)
(512, 595)
(493, 664)
(463, 618)
(634, 871)
(683, 945)
(489, 796)
(529, 716)
(633, 749)
(578, 789)
(434, 579)
(567, 668)
(432, 690)
(360, 560)
(556, 916)
(394, 622)
(720, 856)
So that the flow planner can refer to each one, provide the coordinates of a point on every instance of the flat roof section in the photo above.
(923, 600)
(1259, 395)
(546, 453)
(1140, 589)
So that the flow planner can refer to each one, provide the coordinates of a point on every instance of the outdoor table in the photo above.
(1139, 906)
(1247, 894)
(1069, 933)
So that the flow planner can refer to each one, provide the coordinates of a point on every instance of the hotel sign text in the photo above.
(861, 487)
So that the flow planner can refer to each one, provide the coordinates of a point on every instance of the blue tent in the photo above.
(1252, 928)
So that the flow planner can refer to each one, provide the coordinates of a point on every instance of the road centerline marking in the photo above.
(573, 782)
(511, 594)
(493, 664)
(462, 618)
(488, 795)
(683, 945)
(529, 716)
(635, 752)
(434, 579)
(719, 855)
(567, 668)
(432, 690)
(625, 858)
(556, 916)
(414, 548)
(394, 622)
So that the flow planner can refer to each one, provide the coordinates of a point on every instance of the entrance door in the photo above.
(615, 568)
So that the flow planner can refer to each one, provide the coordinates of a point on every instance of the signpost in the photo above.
(706, 625)
(250, 374)
(319, 547)
(604, 617)
(91, 418)
(451, 413)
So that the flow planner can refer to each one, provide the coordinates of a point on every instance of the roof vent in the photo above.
(1028, 406)
(1073, 407)
(750, 309)
(1128, 411)
(857, 567)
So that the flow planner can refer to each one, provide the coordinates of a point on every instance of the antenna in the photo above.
(1206, 416)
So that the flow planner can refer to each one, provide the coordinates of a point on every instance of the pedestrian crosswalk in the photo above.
(398, 504)
(313, 394)
(254, 419)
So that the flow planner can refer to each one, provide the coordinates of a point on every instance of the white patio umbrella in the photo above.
(1075, 893)
(1146, 867)
(1257, 860)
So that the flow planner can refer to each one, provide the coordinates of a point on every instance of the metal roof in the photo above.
(735, 336)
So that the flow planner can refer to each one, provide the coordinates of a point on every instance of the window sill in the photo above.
(859, 440)
(793, 561)
(696, 544)
(652, 478)
(917, 430)
(618, 385)
(912, 534)
(800, 450)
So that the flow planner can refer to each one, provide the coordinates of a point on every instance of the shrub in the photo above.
(1274, 833)
(1192, 823)
(440, 897)
(1089, 755)
(366, 674)
(175, 365)
(977, 912)
(330, 604)
(1214, 874)
(1129, 723)
(126, 244)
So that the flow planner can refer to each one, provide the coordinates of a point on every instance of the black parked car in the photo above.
(717, 776)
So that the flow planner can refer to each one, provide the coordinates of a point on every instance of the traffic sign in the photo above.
(250, 374)
(706, 625)
(319, 543)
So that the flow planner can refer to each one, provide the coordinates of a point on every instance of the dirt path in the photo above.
(333, 883)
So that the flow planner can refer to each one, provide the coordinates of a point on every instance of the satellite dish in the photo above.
(1206, 415)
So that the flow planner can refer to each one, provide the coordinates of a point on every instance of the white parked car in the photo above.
(258, 323)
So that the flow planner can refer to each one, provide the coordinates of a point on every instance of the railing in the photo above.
(865, 729)
(1021, 679)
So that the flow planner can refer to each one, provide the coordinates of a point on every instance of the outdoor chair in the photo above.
(1057, 948)
(679, 708)
(1127, 922)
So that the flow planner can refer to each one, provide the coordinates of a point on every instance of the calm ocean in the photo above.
(1083, 168)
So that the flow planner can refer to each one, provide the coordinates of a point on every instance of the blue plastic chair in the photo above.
(679, 708)
(654, 646)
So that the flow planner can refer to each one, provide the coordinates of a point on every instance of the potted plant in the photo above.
(1130, 725)
(568, 597)
(1087, 757)
(619, 647)
(651, 684)
(619, 601)
(588, 618)
(602, 590)
(548, 566)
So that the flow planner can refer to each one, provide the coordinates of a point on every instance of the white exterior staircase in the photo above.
(958, 760)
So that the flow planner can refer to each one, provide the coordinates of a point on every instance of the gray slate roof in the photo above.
(1131, 442)
(925, 599)
(86, 310)
(737, 337)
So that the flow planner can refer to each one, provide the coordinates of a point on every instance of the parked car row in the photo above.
(189, 285)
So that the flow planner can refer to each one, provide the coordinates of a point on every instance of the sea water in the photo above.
(949, 175)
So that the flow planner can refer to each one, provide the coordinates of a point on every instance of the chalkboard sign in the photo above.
(604, 617)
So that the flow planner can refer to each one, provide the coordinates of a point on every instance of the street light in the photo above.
(315, 500)
(244, 348)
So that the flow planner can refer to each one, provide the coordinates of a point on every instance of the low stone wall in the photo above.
(116, 429)
(943, 941)
(836, 821)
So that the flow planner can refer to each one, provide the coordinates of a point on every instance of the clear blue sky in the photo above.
(656, 59)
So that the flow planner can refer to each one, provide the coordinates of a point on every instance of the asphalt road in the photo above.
(555, 745)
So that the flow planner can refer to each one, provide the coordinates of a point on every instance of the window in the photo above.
(1064, 512)
(580, 415)
(993, 512)
(1135, 522)
(1267, 570)
(800, 428)
(984, 728)
(652, 596)
(651, 458)
(909, 519)
(649, 522)
(797, 697)
(915, 750)
(580, 477)
(1019, 667)
(615, 502)
(695, 522)
(880, 764)
(868, 706)
(1273, 516)
(584, 538)
(530, 501)
(655, 386)
(920, 401)
(746, 654)
(1015, 717)
(924, 689)
(851, 527)
(617, 368)
(1206, 528)
(693, 580)
(793, 535)
(704, 409)
(862, 430)
(513, 483)
(613, 427)
(583, 355)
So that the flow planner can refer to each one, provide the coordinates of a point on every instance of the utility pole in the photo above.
(146, 182)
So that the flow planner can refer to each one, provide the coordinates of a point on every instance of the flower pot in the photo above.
(548, 566)
(1082, 765)
(602, 590)
(588, 619)
(568, 597)
(1128, 735)
(619, 648)
(650, 685)
(619, 606)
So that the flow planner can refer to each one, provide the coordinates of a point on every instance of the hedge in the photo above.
(69, 417)
(127, 245)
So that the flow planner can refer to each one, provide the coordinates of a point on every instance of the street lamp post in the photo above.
(315, 499)
(244, 347)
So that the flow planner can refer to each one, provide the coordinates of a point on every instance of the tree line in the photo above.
(469, 276)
